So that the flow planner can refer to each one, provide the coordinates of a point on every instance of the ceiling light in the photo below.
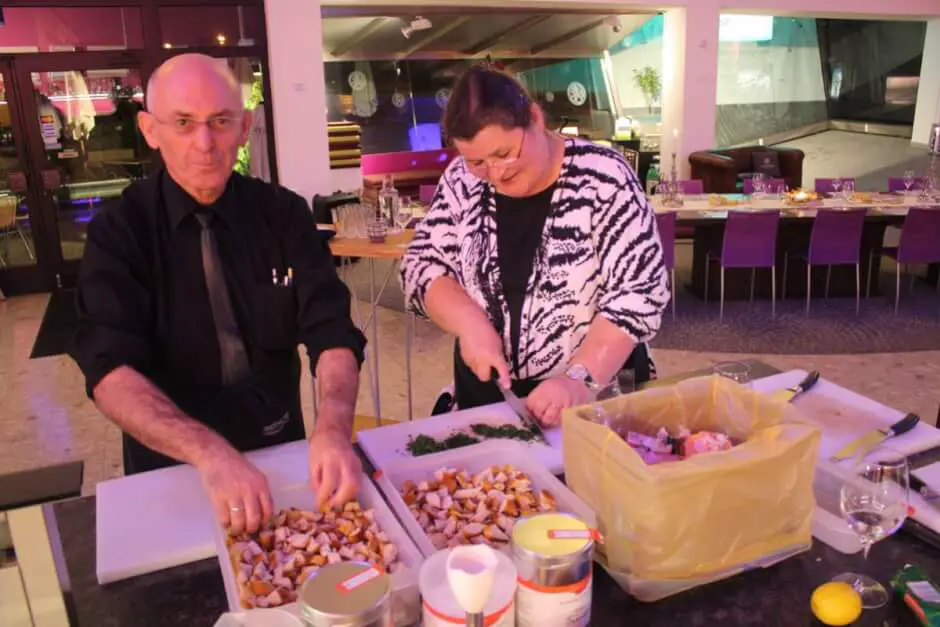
(167, 45)
(221, 39)
(614, 22)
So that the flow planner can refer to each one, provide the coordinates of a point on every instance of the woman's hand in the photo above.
(482, 350)
(553, 395)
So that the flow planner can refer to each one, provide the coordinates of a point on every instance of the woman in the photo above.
(539, 252)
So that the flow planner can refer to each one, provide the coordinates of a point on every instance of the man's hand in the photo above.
(239, 491)
(482, 350)
(335, 468)
(553, 395)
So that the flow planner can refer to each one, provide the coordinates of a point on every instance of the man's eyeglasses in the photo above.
(481, 167)
(217, 125)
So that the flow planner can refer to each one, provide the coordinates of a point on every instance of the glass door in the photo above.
(20, 216)
(80, 113)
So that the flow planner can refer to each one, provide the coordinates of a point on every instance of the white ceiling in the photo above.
(452, 36)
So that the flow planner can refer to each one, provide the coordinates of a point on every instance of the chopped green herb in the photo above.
(425, 444)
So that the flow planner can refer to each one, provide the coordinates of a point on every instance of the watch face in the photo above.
(579, 373)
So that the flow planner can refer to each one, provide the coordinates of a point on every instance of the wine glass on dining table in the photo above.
(874, 502)
(908, 181)
(405, 213)
(836, 185)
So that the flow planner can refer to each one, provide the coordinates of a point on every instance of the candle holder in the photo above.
(673, 196)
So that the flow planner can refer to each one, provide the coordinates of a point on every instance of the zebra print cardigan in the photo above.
(600, 254)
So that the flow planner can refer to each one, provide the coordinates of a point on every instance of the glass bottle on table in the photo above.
(874, 502)
(389, 201)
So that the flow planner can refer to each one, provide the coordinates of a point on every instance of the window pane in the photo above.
(55, 29)
(187, 27)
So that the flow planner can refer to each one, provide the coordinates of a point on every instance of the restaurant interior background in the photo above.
(780, 79)
(71, 84)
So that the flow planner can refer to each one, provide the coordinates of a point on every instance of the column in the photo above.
(690, 83)
(295, 57)
(927, 112)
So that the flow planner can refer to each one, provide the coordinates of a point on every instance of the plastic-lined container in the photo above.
(406, 606)
(554, 555)
(439, 608)
(474, 459)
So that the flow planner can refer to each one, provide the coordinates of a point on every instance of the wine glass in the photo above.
(874, 502)
(737, 371)
(836, 185)
(848, 189)
(404, 215)
(908, 181)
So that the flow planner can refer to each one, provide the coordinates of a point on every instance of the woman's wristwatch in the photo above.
(577, 372)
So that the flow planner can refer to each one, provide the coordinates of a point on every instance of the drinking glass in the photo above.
(737, 371)
(908, 181)
(622, 383)
(848, 189)
(404, 215)
(874, 502)
(782, 191)
(757, 184)
(836, 185)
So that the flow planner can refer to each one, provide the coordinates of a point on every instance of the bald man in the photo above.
(196, 288)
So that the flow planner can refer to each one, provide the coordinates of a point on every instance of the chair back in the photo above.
(824, 186)
(8, 206)
(426, 193)
(666, 225)
(896, 184)
(920, 236)
(774, 184)
(693, 186)
(837, 236)
(750, 239)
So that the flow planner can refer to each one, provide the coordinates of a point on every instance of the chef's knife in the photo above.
(803, 386)
(518, 405)
(862, 446)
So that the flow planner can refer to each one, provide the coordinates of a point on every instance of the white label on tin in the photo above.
(355, 581)
(553, 606)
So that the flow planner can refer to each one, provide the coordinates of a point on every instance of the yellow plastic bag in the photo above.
(672, 526)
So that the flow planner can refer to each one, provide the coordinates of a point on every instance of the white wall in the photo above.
(928, 93)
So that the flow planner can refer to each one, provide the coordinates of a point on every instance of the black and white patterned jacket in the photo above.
(600, 254)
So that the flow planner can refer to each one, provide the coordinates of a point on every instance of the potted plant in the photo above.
(647, 79)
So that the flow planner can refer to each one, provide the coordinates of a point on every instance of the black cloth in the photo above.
(143, 302)
(519, 226)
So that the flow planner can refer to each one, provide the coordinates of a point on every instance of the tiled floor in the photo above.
(46, 418)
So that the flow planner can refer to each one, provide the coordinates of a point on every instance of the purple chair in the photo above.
(836, 240)
(896, 184)
(774, 184)
(824, 186)
(750, 241)
(919, 243)
(666, 225)
(694, 186)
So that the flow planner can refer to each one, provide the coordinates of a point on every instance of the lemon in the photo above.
(836, 603)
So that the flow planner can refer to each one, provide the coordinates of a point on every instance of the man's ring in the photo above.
(234, 509)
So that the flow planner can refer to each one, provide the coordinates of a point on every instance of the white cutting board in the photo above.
(163, 518)
(387, 445)
(845, 415)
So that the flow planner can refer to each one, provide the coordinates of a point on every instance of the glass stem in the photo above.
(866, 547)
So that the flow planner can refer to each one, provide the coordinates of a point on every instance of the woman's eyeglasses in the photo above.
(495, 163)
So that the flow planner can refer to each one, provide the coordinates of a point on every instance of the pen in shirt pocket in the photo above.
(286, 281)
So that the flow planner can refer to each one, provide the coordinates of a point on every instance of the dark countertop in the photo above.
(193, 596)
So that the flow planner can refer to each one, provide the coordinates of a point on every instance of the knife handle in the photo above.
(904, 425)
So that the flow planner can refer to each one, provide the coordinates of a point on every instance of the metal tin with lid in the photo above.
(348, 594)
(554, 556)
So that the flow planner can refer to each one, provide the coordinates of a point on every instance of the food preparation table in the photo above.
(192, 595)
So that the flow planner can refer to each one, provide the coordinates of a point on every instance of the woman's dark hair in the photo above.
(482, 96)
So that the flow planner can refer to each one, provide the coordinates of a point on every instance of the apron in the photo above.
(250, 414)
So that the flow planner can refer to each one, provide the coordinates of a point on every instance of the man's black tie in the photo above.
(231, 346)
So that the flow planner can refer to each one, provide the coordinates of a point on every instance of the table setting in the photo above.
(852, 477)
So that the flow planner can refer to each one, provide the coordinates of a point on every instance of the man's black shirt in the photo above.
(143, 303)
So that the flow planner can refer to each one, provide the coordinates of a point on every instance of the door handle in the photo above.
(51, 179)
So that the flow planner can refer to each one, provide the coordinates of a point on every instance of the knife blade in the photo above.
(925, 491)
(862, 446)
(518, 406)
(804, 386)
